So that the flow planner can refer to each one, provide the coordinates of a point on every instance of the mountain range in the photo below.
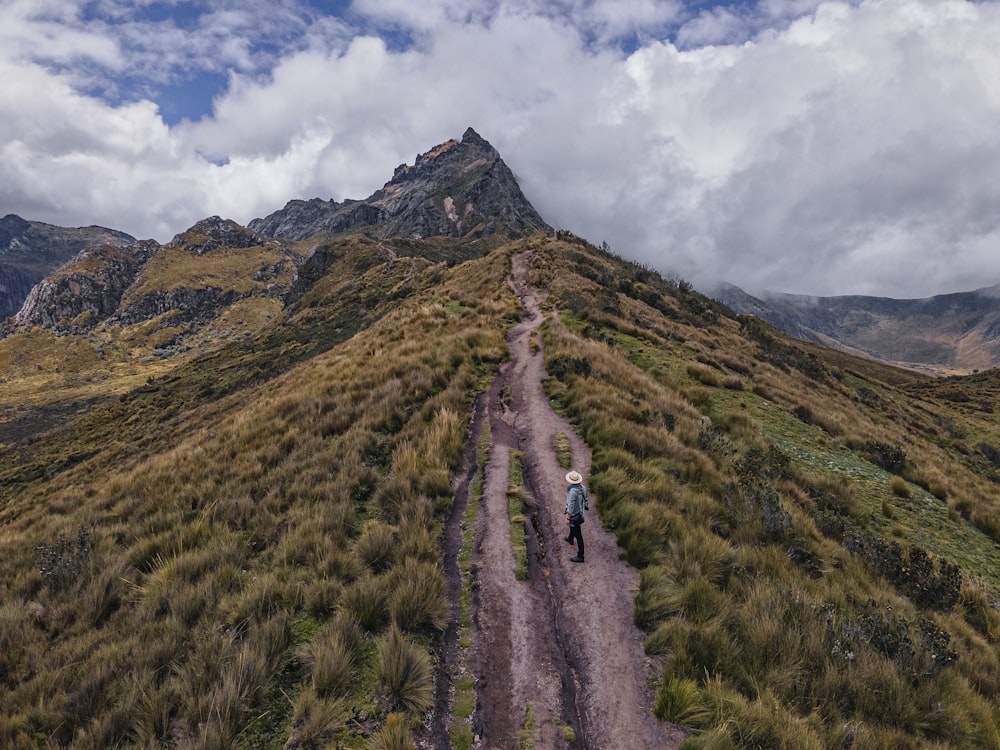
(300, 484)
(942, 335)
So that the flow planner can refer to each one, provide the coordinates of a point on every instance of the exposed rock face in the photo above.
(188, 305)
(30, 250)
(190, 300)
(86, 291)
(457, 189)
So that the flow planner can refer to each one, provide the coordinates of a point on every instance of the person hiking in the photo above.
(576, 503)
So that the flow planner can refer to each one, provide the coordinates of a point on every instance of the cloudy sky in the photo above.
(843, 147)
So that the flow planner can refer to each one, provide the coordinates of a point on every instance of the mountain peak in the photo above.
(473, 136)
(458, 189)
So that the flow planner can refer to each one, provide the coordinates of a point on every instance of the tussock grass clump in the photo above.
(394, 734)
(658, 597)
(979, 611)
(317, 721)
(517, 509)
(367, 601)
(376, 547)
(733, 382)
(679, 702)
(702, 374)
(404, 673)
(331, 657)
(563, 453)
(899, 487)
(418, 598)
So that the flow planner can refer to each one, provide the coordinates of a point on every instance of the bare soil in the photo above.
(557, 659)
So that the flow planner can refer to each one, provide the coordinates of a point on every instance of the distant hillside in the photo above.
(226, 498)
(30, 250)
(944, 334)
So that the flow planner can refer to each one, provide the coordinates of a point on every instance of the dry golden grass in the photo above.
(265, 524)
(769, 630)
(228, 540)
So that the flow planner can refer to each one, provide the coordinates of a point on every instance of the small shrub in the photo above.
(891, 458)
(990, 453)
(67, 560)
(804, 414)
(900, 487)
(912, 572)
(733, 382)
(561, 366)
(753, 500)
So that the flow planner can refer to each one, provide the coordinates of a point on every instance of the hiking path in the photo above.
(557, 660)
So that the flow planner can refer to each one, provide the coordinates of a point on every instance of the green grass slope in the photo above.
(817, 535)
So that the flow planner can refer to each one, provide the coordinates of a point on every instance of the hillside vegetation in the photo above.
(240, 548)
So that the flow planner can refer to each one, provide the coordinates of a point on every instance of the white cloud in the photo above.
(796, 145)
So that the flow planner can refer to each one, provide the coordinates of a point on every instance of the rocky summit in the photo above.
(459, 189)
(210, 282)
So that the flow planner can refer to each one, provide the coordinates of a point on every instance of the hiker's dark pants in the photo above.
(574, 533)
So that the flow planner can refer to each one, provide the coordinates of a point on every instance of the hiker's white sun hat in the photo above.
(574, 477)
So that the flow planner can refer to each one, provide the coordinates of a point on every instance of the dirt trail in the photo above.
(563, 641)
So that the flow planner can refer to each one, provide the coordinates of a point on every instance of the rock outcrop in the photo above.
(87, 290)
(30, 250)
(192, 279)
(459, 189)
(215, 232)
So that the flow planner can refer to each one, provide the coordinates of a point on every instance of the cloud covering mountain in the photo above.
(820, 148)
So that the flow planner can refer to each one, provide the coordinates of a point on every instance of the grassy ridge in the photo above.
(781, 509)
(246, 554)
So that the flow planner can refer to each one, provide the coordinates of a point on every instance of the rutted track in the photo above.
(562, 642)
